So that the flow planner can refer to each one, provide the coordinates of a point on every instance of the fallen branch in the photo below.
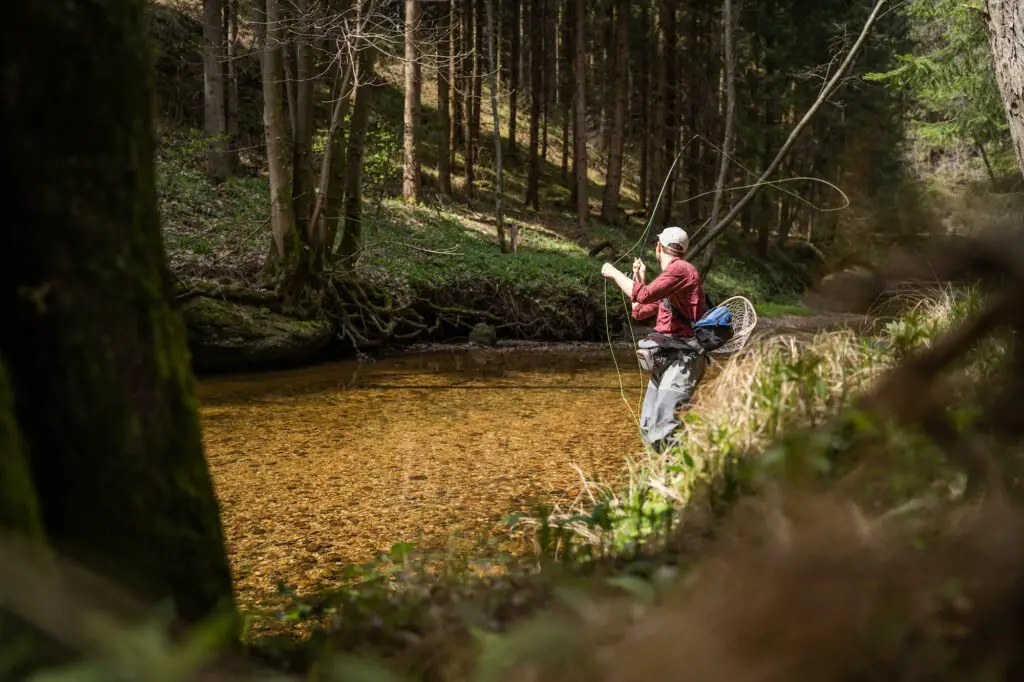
(826, 92)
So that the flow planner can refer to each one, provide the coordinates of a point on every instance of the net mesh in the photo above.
(744, 319)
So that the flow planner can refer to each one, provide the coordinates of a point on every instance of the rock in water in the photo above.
(484, 334)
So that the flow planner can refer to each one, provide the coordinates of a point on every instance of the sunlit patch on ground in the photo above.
(322, 467)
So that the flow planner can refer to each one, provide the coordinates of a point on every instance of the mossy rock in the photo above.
(226, 336)
(484, 334)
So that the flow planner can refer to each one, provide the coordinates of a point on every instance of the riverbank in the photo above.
(425, 275)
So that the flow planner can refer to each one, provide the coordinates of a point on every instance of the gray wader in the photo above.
(675, 375)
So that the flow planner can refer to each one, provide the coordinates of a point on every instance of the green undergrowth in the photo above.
(784, 407)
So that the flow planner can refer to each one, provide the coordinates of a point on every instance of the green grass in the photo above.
(777, 309)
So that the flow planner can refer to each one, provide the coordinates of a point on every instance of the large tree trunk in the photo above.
(279, 158)
(580, 110)
(352, 237)
(616, 142)
(1006, 38)
(99, 372)
(218, 159)
(533, 173)
(444, 153)
(411, 167)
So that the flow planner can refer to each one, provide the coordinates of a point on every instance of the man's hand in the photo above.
(608, 270)
(621, 279)
(639, 270)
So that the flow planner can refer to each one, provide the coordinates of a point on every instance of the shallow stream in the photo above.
(325, 466)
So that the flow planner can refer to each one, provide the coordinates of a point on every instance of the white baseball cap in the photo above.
(674, 235)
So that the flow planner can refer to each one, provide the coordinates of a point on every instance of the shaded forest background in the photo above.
(356, 188)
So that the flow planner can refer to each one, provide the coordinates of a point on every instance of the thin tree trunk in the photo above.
(545, 79)
(232, 78)
(455, 79)
(327, 214)
(1006, 38)
(617, 132)
(657, 134)
(411, 167)
(645, 89)
(830, 87)
(580, 106)
(707, 257)
(100, 390)
(289, 78)
(282, 220)
(491, 55)
(479, 55)
(513, 95)
(302, 189)
(444, 154)
(218, 161)
(533, 173)
(671, 130)
(566, 84)
(469, 146)
(352, 236)
(988, 166)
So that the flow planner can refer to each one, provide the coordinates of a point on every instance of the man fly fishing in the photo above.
(671, 352)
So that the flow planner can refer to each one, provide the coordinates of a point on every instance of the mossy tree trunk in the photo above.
(103, 395)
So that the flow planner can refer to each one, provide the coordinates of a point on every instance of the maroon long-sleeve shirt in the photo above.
(680, 284)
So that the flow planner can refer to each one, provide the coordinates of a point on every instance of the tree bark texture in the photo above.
(533, 172)
(444, 154)
(98, 363)
(567, 60)
(469, 141)
(275, 125)
(514, 82)
(218, 159)
(1006, 38)
(352, 237)
(411, 166)
(492, 62)
(580, 107)
(304, 123)
(232, 80)
(617, 132)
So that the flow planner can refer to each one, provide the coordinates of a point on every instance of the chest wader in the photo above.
(676, 365)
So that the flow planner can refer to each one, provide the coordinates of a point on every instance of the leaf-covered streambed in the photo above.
(323, 467)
